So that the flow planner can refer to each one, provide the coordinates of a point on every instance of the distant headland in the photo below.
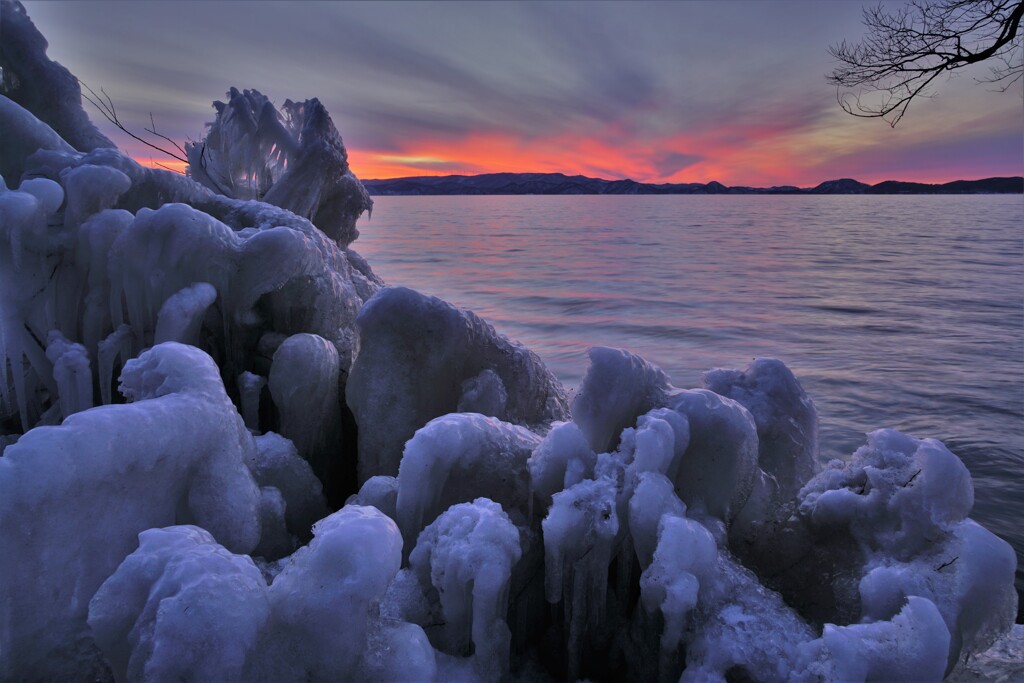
(561, 184)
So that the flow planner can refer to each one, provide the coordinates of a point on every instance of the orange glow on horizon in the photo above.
(164, 164)
(763, 155)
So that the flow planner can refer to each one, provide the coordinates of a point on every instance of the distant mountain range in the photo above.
(558, 183)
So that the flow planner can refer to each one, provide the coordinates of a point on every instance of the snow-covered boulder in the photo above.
(416, 354)
(181, 607)
(786, 420)
(324, 603)
(73, 499)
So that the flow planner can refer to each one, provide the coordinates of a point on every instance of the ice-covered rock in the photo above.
(24, 135)
(464, 560)
(181, 607)
(117, 283)
(458, 458)
(73, 499)
(1004, 661)
(91, 189)
(484, 394)
(397, 651)
(718, 469)
(325, 600)
(670, 518)
(969, 578)
(294, 159)
(897, 494)
(902, 505)
(728, 624)
(87, 258)
(380, 492)
(787, 422)
(40, 85)
(617, 389)
(910, 647)
(416, 353)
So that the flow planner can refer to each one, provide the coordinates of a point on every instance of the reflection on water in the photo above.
(901, 312)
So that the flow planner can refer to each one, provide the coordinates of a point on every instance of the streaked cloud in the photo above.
(687, 91)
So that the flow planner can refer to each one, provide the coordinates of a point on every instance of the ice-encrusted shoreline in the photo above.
(484, 527)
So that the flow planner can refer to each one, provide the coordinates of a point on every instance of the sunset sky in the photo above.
(656, 92)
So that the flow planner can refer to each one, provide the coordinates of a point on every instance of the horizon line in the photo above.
(707, 182)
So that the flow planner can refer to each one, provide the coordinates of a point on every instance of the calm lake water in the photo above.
(903, 312)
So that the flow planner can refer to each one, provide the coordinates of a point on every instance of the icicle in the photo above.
(181, 316)
(304, 384)
(119, 342)
(250, 386)
(579, 535)
(17, 358)
(94, 240)
(71, 372)
(466, 556)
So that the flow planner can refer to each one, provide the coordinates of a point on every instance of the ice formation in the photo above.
(296, 161)
(184, 524)
(181, 607)
(75, 496)
(457, 457)
(464, 562)
(421, 358)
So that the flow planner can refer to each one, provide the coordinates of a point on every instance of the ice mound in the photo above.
(618, 388)
(902, 503)
(718, 469)
(324, 601)
(86, 286)
(73, 499)
(459, 456)
(295, 160)
(910, 647)
(417, 354)
(181, 607)
(561, 459)
(786, 420)
(655, 533)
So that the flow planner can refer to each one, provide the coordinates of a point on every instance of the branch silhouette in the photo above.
(905, 50)
(105, 105)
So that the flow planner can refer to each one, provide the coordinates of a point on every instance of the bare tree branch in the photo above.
(152, 130)
(906, 49)
(105, 105)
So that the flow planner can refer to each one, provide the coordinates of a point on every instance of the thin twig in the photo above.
(105, 105)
